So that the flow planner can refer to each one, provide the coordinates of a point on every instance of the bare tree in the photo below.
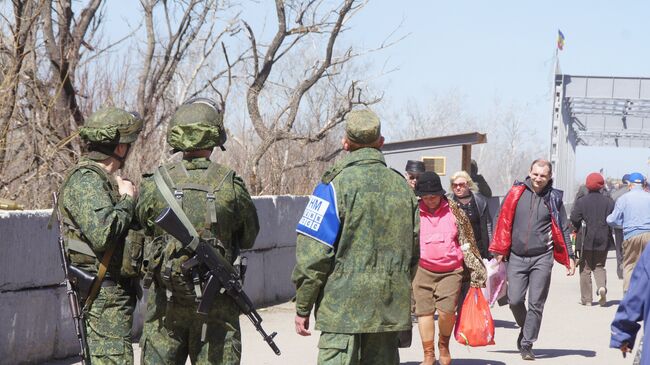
(40, 109)
(13, 51)
(177, 64)
(442, 114)
(297, 22)
(284, 97)
(511, 147)
(64, 35)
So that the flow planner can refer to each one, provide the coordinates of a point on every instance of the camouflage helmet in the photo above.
(110, 126)
(196, 125)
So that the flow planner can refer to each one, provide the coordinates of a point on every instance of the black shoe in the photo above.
(521, 337)
(527, 353)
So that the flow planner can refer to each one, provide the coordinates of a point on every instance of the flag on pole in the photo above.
(560, 40)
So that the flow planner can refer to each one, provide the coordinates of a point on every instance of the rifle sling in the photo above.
(103, 266)
(80, 246)
(167, 194)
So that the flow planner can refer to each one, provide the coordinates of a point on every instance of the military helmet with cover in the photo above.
(111, 126)
(197, 125)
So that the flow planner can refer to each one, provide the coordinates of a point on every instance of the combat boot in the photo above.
(429, 353)
(443, 347)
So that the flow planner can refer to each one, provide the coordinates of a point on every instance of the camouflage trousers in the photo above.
(108, 326)
(358, 349)
(173, 331)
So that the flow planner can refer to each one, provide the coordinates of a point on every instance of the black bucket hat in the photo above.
(429, 184)
(414, 166)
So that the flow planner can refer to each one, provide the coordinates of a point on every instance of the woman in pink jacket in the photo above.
(447, 248)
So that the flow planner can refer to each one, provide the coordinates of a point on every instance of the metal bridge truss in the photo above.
(596, 111)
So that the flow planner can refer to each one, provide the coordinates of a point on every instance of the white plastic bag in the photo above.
(495, 286)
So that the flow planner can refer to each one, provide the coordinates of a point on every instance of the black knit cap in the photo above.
(414, 166)
(429, 184)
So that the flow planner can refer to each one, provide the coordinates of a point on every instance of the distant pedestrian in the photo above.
(531, 230)
(592, 210)
(414, 169)
(632, 213)
(620, 189)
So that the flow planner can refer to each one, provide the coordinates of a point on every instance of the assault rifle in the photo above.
(83, 282)
(221, 276)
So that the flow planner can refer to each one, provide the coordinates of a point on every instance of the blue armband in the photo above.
(320, 220)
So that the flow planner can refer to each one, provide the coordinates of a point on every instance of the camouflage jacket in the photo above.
(94, 212)
(363, 283)
(236, 216)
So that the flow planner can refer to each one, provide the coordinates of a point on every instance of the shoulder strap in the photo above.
(219, 173)
(101, 273)
(166, 193)
(178, 171)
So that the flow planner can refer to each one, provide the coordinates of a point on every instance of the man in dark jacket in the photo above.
(531, 230)
(593, 209)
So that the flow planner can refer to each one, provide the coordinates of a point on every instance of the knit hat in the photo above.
(595, 181)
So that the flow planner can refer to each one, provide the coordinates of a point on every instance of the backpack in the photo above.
(200, 196)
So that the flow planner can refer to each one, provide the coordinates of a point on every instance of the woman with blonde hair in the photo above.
(465, 194)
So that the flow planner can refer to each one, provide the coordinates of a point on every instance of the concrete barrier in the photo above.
(35, 320)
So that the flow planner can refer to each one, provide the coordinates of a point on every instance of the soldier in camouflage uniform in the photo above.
(357, 251)
(217, 203)
(96, 207)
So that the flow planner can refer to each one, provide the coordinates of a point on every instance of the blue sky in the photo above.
(487, 50)
(505, 49)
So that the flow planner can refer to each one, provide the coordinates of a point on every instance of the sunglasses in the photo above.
(459, 185)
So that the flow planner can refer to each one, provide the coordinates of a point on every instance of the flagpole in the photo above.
(554, 73)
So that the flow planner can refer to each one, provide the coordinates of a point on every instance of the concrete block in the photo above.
(31, 253)
(254, 282)
(265, 210)
(278, 266)
(278, 218)
(66, 342)
(35, 320)
(32, 328)
(289, 209)
(268, 278)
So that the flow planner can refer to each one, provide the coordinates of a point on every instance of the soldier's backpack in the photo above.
(200, 195)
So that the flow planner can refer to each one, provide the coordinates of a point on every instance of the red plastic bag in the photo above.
(474, 326)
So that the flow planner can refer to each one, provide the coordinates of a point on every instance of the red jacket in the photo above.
(502, 238)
